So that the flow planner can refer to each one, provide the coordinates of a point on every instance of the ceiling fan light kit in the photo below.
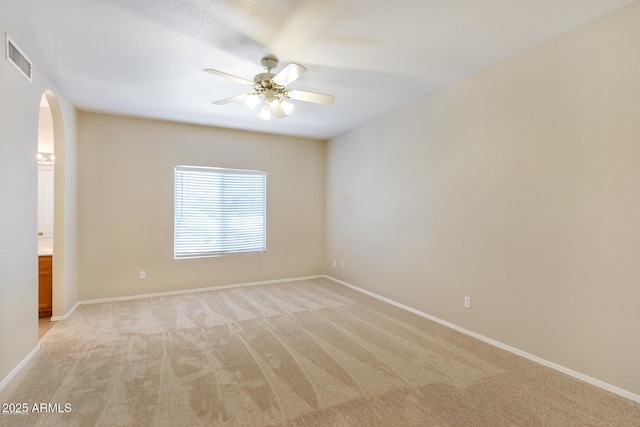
(271, 89)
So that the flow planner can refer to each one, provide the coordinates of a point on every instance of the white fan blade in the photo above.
(232, 99)
(229, 76)
(316, 98)
(289, 74)
(277, 110)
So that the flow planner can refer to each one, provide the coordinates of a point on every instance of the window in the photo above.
(218, 211)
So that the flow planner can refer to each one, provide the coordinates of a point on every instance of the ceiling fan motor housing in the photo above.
(265, 87)
(269, 62)
(263, 78)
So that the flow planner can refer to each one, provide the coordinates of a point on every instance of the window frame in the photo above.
(220, 171)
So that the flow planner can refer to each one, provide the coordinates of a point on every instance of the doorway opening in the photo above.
(46, 162)
(53, 153)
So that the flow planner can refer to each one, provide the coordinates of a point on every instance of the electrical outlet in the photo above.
(143, 275)
(467, 302)
(342, 264)
(334, 263)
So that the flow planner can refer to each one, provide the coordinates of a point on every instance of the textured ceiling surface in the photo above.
(145, 57)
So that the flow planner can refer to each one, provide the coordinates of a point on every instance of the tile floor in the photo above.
(44, 325)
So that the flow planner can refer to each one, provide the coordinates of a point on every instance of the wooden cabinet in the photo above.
(45, 282)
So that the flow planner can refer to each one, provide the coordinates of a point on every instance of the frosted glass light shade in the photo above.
(265, 114)
(252, 101)
(287, 107)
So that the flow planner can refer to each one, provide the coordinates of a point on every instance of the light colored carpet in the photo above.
(309, 353)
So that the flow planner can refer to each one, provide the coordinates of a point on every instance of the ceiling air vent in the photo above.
(18, 59)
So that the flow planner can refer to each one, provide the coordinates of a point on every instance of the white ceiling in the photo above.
(145, 57)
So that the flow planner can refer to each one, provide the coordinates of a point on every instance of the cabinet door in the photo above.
(45, 282)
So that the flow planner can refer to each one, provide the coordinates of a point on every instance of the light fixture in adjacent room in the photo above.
(45, 158)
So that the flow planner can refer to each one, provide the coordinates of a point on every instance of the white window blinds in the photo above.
(219, 211)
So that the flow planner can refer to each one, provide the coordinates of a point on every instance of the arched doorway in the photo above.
(51, 139)
(46, 194)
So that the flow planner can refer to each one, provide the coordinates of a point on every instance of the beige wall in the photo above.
(519, 187)
(45, 130)
(126, 205)
(19, 109)
(65, 233)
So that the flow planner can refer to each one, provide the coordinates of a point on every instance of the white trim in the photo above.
(20, 365)
(585, 378)
(187, 291)
(67, 314)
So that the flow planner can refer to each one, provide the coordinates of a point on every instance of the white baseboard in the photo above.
(21, 365)
(585, 378)
(188, 291)
(67, 314)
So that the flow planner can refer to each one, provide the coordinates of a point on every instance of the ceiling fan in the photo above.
(271, 89)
